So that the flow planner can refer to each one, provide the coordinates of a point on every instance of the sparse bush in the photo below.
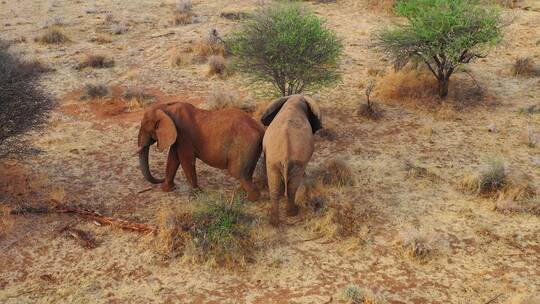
(336, 172)
(23, 103)
(183, 13)
(178, 58)
(524, 66)
(289, 47)
(339, 219)
(101, 39)
(216, 232)
(442, 34)
(203, 50)
(53, 35)
(97, 61)
(118, 28)
(95, 90)
(369, 109)
(217, 65)
(356, 295)
(492, 178)
(222, 97)
(419, 243)
(137, 98)
(512, 192)
(222, 235)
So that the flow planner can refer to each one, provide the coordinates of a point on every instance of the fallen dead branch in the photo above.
(86, 214)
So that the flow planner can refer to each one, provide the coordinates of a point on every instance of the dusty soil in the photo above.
(87, 160)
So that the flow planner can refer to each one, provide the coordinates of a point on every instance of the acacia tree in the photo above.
(287, 46)
(443, 34)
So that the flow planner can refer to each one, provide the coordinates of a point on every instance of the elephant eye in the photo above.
(156, 125)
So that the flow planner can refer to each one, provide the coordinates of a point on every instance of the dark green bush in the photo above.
(287, 46)
(23, 103)
(443, 34)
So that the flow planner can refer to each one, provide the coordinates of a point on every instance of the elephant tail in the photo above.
(286, 168)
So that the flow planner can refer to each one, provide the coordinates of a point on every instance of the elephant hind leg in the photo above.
(294, 180)
(276, 188)
(242, 166)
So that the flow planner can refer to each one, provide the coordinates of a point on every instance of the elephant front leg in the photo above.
(170, 172)
(188, 165)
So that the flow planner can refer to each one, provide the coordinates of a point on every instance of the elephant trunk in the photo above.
(145, 167)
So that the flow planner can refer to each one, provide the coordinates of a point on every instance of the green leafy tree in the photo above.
(289, 47)
(443, 34)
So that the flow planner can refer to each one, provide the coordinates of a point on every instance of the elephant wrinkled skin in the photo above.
(288, 145)
(226, 139)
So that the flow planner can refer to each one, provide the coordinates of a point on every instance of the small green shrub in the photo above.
(222, 231)
(442, 34)
(217, 232)
(287, 46)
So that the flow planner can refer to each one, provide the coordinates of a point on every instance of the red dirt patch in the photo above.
(116, 107)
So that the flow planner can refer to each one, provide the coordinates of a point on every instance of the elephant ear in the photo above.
(165, 130)
(272, 110)
(314, 114)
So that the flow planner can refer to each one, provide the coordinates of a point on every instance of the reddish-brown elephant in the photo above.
(225, 139)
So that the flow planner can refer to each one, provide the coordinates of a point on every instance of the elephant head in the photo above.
(310, 107)
(156, 125)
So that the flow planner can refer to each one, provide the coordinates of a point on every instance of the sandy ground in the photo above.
(87, 160)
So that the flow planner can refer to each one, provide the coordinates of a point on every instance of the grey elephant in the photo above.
(288, 145)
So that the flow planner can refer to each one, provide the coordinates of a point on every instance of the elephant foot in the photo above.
(167, 187)
(274, 217)
(292, 210)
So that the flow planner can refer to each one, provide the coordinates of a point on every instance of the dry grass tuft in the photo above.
(179, 58)
(407, 84)
(53, 35)
(97, 61)
(511, 192)
(338, 219)
(137, 98)
(183, 13)
(335, 172)
(92, 91)
(172, 234)
(509, 3)
(524, 66)
(356, 295)
(419, 244)
(221, 97)
(492, 178)
(217, 65)
(203, 50)
(327, 134)
(101, 39)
